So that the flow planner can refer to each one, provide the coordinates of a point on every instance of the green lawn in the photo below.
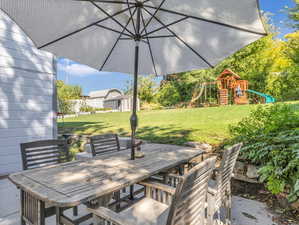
(175, 126)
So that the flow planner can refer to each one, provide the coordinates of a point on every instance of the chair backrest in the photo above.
(102, 144)
(188, 204)
(225, 172)
(44, 153)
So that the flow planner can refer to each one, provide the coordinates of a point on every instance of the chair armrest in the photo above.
(109, 215)
(174, 176)
(163, 187)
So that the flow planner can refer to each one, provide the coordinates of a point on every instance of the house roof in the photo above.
(119, 98)
(228, 72)
(102, 93)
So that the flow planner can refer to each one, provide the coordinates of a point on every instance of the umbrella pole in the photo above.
(134, 118)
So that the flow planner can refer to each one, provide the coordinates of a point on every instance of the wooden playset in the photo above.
(229, 88)
(231, 84)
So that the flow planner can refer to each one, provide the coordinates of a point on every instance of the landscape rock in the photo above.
(203, 146)
(239, 167)
(252, 172)
(295, 205)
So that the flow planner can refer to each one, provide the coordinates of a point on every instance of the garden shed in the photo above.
(122, 103)
(96, 98)
(27, 94)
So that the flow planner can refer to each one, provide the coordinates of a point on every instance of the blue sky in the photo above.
(91, 80)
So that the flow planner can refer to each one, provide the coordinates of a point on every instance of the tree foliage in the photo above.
(147, 87)
(186, 87)
(68, 92)
(293, 14)
(65, 93)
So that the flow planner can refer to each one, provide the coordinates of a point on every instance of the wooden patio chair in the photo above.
(109, 143)
(219, 191)
(166, 205)
(39, 154)
(104, 144)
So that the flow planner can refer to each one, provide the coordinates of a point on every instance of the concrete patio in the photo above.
(245, 212)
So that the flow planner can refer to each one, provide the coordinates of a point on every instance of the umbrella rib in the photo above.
(167, 25)
(131, 17)
(160, 36)
(132, 39)
(180, 39)
(81, 29)
(207, 20)
(149, 44)
(117, 40)
(156, 11)
(116, 31)
(111, 17)
(110, 1)
(107, 1)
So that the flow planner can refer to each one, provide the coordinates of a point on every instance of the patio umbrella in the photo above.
(139, 36)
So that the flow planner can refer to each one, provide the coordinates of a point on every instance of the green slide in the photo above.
(268, 98)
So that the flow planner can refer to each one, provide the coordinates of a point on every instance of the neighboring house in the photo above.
(96, 98)
(105, 99)
(122, 103)
(27, 94)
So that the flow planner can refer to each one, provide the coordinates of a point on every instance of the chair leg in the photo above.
(75, 211)
(42, 211)
(132, 192)
(58, 215)
(22, 208)
(210, 209)
(117, 199)
(229, 209)
(219, 217)
(22, 221)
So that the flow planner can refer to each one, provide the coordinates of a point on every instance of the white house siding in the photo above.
(96, 102)
(26, 94)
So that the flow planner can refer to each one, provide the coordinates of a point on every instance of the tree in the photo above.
(293, 47)
(168, 95)
(65, 93)
(293, 14)
(68, 92)
(147, 87)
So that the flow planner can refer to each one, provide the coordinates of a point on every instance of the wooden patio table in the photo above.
(73, 183)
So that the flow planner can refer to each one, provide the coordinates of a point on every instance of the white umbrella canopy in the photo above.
(206, 32)
(139, 36)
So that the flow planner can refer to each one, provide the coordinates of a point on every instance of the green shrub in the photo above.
(102, 109)
(271, 140)
(151, 106)
(86, 108)
(168, 95)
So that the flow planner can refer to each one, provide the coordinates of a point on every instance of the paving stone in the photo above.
(252, 171)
